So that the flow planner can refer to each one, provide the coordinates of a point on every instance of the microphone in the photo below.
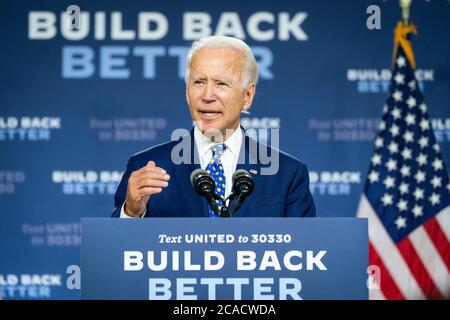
(243, 186)
(204, 185)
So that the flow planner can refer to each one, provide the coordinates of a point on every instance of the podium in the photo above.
(224, 259)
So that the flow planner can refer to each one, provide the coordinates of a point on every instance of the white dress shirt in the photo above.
(229, 157)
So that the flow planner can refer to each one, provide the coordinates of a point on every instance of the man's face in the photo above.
(214, 90)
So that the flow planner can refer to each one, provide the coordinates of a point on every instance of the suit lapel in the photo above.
(195, 203)
(248, 160)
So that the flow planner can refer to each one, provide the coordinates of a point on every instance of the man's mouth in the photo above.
(210, 114)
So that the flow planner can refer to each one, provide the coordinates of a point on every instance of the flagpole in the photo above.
(405, 5)
(402, 31)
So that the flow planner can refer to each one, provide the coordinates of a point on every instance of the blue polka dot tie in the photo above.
(215, 169)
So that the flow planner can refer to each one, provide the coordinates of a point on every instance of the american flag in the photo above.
(407, 195)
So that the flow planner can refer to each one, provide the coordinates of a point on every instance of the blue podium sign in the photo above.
(227, 259)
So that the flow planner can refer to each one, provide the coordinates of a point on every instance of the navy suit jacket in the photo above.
(284, 194)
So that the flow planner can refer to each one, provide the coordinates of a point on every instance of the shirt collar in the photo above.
(203, 143)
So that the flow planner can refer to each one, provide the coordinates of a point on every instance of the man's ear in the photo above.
(186, 94)
(249, 95)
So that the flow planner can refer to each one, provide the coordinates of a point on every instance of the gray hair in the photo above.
(250, 66)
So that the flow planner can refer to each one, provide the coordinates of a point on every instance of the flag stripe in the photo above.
(444, 220)
(389, 289)
(418, 270)
(433, 263)
(389, 253)
(376, 295)
(440, 241)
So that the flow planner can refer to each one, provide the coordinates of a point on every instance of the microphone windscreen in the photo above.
(196, 174)
(241, 173)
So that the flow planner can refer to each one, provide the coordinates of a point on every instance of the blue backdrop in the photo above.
(75, 106)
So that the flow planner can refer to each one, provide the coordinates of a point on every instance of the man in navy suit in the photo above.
(221, 79)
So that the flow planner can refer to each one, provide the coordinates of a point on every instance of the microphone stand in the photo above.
(225, 212)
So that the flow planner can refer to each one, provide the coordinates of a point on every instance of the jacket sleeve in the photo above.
(300, 202)
(121, 192)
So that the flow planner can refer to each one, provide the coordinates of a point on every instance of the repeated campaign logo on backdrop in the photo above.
(363, 129)
(127, 129)
(265, 130)
(81, 61)
(378, 81)
(28, 128)
(11, 180)
(441, 128)
(40, 284)
(28, 286)
(63, 238)
(88, 182)
(344, 129)
(334, 183)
